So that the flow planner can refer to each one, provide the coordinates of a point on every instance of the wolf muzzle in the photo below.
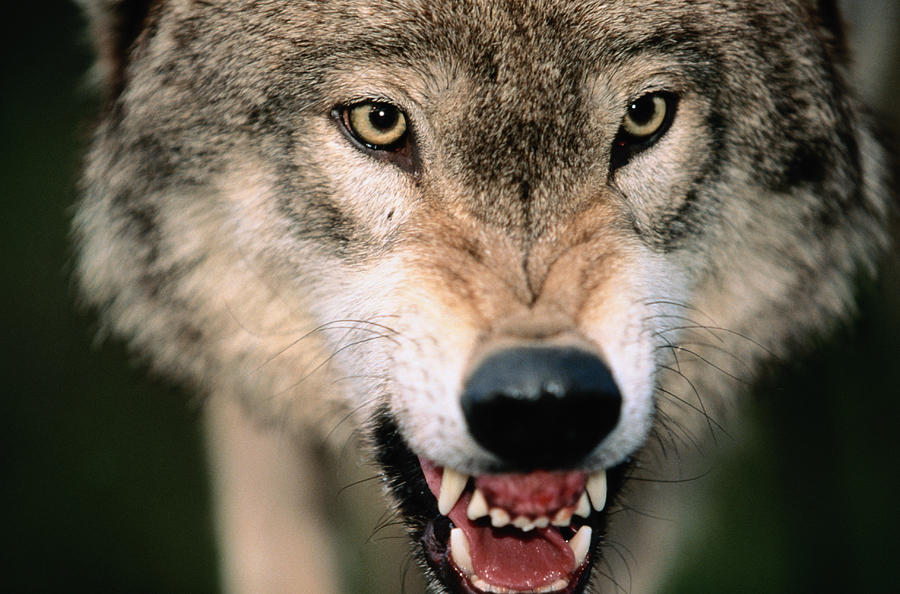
(541, 407)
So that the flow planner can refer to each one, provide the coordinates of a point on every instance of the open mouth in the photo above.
(516, 533)
(506, 533)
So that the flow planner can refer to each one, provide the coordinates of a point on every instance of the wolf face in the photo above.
(511, 240)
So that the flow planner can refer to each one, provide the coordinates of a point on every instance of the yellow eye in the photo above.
(646, 116)
(379, 126)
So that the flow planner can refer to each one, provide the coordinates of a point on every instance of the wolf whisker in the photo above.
(699, 357)
(721, 350)
(711, 421)
(614, 546)
(680, 481)
(356, 483)
(693, 325)
(388, 519)
(768, 351)
(319, 329)
(328, 359)
(672, 349)
(347, 416)
(681, 304)
(702, 410)
(409, 561)
(676, 433)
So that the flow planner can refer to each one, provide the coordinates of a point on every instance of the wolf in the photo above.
(511, 244)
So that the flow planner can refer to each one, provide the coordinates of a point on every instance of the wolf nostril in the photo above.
(541, 407)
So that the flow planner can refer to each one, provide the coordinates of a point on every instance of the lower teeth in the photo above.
(486, 587)
(462, 558)
(459, 551)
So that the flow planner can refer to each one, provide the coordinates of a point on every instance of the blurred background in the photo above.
(104, 485)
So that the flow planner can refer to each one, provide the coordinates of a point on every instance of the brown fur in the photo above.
(232, 232)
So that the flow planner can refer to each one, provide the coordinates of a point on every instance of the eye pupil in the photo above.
(642, 111)
(383, 117)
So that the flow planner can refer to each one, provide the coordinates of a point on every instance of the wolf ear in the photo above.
(114, 26)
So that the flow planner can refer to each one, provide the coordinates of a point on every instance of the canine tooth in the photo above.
(596, 489)
(524, 524)
(459, 551)
(584, 506)
(478, 507)
(580, 544)
(452, 486)
(541, 522)
(564, 516)
(499, 517)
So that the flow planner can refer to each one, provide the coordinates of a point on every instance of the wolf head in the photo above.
(512, 239)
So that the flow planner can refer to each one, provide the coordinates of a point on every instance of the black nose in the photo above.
(541, 407)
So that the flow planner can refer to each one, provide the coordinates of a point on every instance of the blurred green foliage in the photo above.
(103, 486)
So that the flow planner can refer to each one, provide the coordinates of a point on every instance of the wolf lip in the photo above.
(405, 476)
(516, 551)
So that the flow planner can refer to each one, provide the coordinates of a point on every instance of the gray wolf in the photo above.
(510, 243)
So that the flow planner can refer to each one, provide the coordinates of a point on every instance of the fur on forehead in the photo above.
(116, 25)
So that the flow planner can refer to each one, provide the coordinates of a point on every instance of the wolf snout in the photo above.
(541, 407)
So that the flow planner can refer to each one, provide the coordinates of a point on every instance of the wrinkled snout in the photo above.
(541, 407)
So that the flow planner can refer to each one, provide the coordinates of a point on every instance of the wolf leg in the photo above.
(270, 529)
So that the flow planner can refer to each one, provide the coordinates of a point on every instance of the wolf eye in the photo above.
(645, 122)
(645, 116)
(379, 126)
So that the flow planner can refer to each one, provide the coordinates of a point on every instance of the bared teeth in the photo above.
(563, 517)
(452, 485)
(486, 587)
(478, 507)
(554, 587)
(526, 524)
(499, 517)
(523, 523)
(482, 585)
(583, 508)
(596, 490)
(462, 556)
(459, 551)
(580, 544)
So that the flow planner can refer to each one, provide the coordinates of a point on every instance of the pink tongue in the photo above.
(511, 558)
(507, 556)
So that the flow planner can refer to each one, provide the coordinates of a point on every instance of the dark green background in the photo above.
(103, 483)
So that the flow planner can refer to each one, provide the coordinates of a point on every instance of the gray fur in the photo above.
(228, 229)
